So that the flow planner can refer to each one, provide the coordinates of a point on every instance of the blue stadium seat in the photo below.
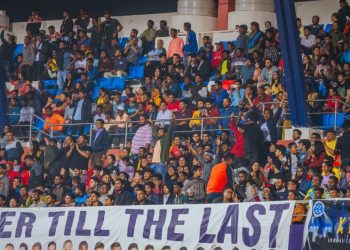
(39, 124)
(95, 93)
(142, 60)
(122, 42)
(18, 50)
(136, 72)
(106, 83)
(328, 28)
(328, 120)
(118, 83)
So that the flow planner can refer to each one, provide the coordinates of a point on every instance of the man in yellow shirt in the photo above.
(195, 123)
(329, 145)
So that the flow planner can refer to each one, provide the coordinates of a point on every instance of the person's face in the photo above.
(296, 135)
(92, 183)
(267, 115)
(68, 246)
(325, 168)
(291, 196)
(315, 20)
(195, 138)
(13, 203)
(106, 178)
(333, 193)
(176, 189)
(68, 199)
(140, 196)
(118, 185)
(228, 193)
(332, 183)
(241, 178)
(208, 105)
(260, 92)
(268, 64)
(171, 171)
(279, 184)
(9, 136)
(83, 247)
(35, 196)
(315, 181)
(57, 180)
(291, 186)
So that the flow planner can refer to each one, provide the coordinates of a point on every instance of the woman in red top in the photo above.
(316, 156)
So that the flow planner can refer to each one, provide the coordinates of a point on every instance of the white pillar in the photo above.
(247, 11)
(200, 13)
(4, 20)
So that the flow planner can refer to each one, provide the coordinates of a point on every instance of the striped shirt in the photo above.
(142, 137)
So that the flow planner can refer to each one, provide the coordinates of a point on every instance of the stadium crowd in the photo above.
(171, 156)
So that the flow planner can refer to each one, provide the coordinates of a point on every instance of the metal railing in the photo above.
(129, 126)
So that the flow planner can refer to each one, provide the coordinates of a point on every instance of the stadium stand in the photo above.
(101, 111)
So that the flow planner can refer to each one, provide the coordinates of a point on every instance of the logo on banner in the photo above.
(318, 209)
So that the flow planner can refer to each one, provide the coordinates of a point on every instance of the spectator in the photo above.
(100, 143)
(191, 41)
(220, 176)
(163, 29)
(148, 37)
(67, 25)
(4, 181)
(13, 148)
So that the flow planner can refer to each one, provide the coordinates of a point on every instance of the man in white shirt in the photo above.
(308, 41)
(99, 114)
(163, 114)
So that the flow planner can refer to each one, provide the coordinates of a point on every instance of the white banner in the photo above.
(263, 225)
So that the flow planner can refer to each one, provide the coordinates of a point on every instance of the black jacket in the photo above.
(124, 198)
(272, 124)
(6, 48)
(85, 111)
(66, 26)
(343, 146)
(101, 142)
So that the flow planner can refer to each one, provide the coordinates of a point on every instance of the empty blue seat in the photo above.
(136, 72)
(118, 83)
(106, 83)
(39, 124)
(329, 119)
(95, 93)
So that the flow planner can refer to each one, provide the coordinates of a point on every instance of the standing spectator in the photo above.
(163, 29)
(6, 52)
(243, 39)
(179, 197)
(81, 113)
(142, 137)
(36, 171)
(67, 25)
(79, 153)
(33, 24)
(99, 143)
(176, 45)
(82, 21)
(343, 12)
(255, 37)
(109, 29)
(343, 146)
(4, 181)
(28, 59)
(190, 46)
(220, 177)
(53, 122)
(95, 31)
(14, 150)
(51, 159)
(148, 37)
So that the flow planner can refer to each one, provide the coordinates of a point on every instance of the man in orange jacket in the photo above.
(53, 118)
(220, 177)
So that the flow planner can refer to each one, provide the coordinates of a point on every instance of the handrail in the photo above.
(129, 123)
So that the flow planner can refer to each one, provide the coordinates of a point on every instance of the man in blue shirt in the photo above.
(225, 111)
(247, 71)
(191, 46)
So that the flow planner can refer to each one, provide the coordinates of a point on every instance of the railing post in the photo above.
(90, 140)
(30, 128)
(335, 115)
(126, 134)
(51, 132)
(202, 127)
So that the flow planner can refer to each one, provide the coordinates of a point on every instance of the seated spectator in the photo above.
(132, 51)
(53, 121)
(105, 64)
(308, 41)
